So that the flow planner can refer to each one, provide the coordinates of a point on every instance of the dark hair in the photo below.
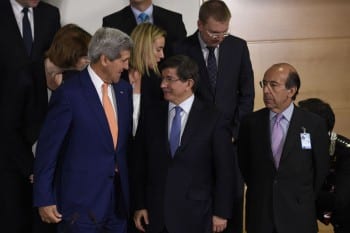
(320, 108)
(68, 46)
(186, 68)
(293, 80)
(216, 9)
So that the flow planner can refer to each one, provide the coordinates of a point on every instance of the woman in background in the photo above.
(143, 74)
(68, 52)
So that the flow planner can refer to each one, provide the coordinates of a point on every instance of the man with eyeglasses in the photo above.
(283, 156)
(183, 164)
(226, 76)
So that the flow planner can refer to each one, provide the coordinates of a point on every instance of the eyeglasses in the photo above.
(217, 35)
(272, 84)
(169, 80)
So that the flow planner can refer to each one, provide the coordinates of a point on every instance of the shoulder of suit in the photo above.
(45, 5)
(166, 11)
(343, 141)
(121, 13)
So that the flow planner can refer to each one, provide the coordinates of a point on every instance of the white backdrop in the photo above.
(89, 13)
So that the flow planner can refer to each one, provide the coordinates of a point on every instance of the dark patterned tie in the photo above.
(212, 67)
(27, 31)
(175, 131)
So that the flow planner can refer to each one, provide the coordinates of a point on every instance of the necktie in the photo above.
(143, 17)
(27, 31)
(276, 139)
(212, 67)
(110, 114)
(175, 131)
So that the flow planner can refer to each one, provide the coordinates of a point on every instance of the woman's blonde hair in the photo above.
(142, 56)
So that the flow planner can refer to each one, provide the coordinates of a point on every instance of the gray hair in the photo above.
(109, 42)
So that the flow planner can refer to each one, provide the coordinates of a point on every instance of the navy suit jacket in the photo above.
(168, 20)
(75, 159)
(234, 94)
(283, 199)
(184, 192)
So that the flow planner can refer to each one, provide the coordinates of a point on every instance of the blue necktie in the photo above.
(175, 131)
(143, 17)
(212, 67)
(27, 31)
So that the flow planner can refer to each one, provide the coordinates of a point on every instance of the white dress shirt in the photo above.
(17, 11)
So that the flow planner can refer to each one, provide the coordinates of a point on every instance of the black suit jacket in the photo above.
(234, 94)
(182, 193)
(168, 20)
(283, 199)
(13, 53)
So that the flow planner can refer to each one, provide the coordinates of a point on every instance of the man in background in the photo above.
(144, 11)
(225, 77)
(283, 156)
(27, 27)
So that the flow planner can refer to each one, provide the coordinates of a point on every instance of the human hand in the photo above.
(219, 224)
(50, 214)
(140, 217)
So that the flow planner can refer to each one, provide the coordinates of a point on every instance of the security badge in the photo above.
(305, 139)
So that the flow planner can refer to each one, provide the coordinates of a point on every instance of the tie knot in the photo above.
(104, 88)
(211, 49)
(278, 117)
(143, 17)
(178, 110)
(25, 10)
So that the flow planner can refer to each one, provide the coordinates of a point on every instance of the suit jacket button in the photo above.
(275, 181)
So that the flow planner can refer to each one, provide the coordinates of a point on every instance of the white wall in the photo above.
(89, 13)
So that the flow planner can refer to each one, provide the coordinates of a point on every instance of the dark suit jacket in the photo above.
(75, 160)
(13, 53)
(184, 192)
(168, 20)
(283, 199)
(234, 95)
(338, 201)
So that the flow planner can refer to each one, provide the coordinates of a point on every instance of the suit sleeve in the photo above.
(243, 149)
(320, 155)
(223, 165)
(51, 139)
(246, 91)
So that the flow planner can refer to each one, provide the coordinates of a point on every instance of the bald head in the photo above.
(280, 86)
(288, 72)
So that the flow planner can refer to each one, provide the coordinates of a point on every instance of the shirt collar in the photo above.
(96, 80)
(287, 113)
(17, 8)
(148, 11)
(186, 105)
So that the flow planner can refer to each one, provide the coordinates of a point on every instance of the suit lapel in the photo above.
(197, 54)
(193, 123)
(121, 101)
(14, 30)
(130, 21)
(292, 137)
(95, 105)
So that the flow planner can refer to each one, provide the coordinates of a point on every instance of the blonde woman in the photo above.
(149, 41)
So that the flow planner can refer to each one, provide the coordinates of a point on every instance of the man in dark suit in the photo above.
(140, 11)
(80, 170)
(333, 203)
(24, 100)
(19, 127)
(44, 21)
(183, 166)
(226, 76)
(283, 156)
